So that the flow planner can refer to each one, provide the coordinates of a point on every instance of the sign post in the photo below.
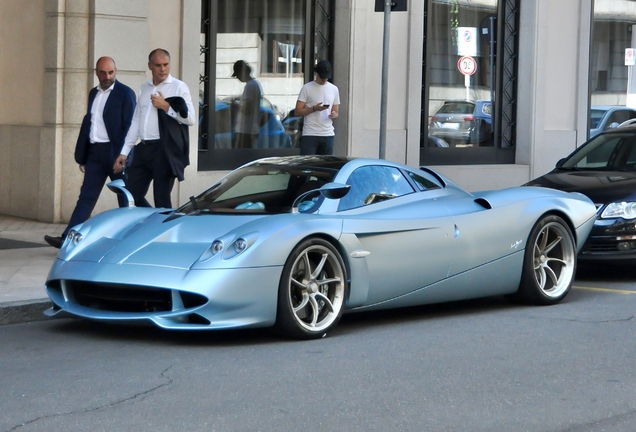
(386, 6)
(468, 66)
(630, 61)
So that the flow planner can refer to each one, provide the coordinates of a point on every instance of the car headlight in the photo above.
(74, 237)
(625, 210)
(217, 246)
(240, 245)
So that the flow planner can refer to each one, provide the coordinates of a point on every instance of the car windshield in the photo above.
(460, 107)
(614, 151)
(267, 187)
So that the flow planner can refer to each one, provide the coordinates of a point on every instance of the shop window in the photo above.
(270, 38)
(466, 117)
(612, 88)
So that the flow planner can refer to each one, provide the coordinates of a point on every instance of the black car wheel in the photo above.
(311, 295)
(549, 262)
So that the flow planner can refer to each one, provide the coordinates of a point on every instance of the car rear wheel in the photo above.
(312, 290)
(549, 262)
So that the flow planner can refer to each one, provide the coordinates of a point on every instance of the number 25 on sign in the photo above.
(467, 65)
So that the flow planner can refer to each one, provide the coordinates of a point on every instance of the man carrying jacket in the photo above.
(110, 110)
(160, 123)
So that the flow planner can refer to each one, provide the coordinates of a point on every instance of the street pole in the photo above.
(385, 77)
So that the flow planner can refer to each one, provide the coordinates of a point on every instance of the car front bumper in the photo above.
(610, 239)
(171, 298)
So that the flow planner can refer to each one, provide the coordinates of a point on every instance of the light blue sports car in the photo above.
(294, 242)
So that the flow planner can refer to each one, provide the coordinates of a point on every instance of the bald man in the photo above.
(110, 110)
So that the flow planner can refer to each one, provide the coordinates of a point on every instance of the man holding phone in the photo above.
(318, 102)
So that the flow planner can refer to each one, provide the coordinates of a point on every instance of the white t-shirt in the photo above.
(318, 123)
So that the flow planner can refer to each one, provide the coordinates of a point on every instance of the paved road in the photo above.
(471, 366)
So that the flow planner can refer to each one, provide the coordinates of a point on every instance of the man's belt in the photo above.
(150, 142)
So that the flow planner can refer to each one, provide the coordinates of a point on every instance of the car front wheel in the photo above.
(312, 290)
(549, 262)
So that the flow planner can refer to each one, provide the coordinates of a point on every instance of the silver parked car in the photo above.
(295, 242)
(462, 123)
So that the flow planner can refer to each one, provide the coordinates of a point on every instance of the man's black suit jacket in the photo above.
(175, 138)
(118, 114)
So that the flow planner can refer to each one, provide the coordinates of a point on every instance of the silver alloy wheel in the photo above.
(316, 288)
(554, 259)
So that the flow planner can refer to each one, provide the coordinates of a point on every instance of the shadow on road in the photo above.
(605, 272)
(350, 323)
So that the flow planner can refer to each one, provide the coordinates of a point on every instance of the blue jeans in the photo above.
(316, 145)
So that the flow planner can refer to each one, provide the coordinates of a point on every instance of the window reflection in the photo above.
(460, 78)
(613, 98)
(267, 37)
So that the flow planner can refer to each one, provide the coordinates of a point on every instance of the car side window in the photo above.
(631, 156)
(372, 184)
(619, 116)
(422, 182)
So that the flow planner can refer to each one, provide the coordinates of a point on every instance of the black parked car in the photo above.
(604, 169)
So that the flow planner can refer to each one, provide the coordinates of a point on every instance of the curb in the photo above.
(24, 311)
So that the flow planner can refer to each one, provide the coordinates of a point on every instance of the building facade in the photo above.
(537, 67)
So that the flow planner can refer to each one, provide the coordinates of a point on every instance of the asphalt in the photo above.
(25, 261)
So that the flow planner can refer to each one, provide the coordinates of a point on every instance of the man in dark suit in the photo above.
(110, 110)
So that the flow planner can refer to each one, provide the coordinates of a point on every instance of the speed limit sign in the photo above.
(467, 65)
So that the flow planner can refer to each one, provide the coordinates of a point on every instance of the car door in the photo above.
(406, 242)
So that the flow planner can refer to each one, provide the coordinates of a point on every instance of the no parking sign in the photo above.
(467, 41)
(630, 56)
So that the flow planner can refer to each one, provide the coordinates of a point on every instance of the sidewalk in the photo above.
(25, 260)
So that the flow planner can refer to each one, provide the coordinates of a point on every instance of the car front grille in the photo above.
(128, 298)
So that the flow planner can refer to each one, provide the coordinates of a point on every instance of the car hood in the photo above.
(602, 187)
(158, 240)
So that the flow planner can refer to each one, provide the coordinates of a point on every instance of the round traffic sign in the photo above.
(467, 65)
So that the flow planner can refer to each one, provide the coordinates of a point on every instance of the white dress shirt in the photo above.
(145, 122)
(98, 133)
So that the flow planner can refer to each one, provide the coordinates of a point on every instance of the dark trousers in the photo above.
(98, 168)
(150, 164)
(244, 140)
(316, 145)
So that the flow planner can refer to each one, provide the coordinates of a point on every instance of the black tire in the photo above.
(549, 263)
(312, 290)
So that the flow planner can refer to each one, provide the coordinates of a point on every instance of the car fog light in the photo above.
(628, 237)
(217, 246)
(625, 246)
(240, 245)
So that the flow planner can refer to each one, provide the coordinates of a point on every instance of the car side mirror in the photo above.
(329, 190)
(119, 187)
(335, 190)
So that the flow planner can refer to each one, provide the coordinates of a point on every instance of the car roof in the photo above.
(611, 107)
(469, 101)
(622, 129)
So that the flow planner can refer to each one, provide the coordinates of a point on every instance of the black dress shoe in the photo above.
(56, 242)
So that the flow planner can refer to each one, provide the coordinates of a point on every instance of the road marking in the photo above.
(604, 289)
